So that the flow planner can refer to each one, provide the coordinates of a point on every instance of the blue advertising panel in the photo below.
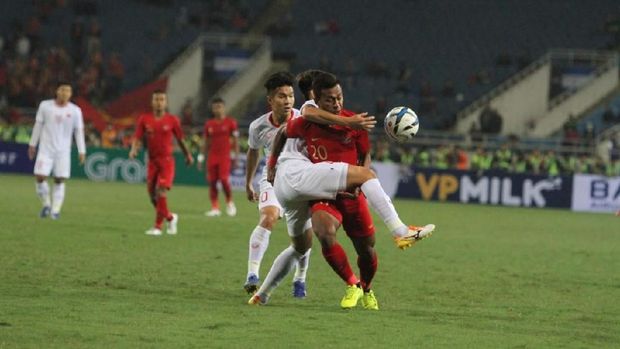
(14, 158)
(491, 187)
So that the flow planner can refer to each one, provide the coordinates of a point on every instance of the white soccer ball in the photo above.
(401, 124)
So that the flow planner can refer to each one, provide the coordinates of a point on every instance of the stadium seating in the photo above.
(459, 41)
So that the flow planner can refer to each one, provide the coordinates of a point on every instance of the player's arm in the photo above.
(235, 145)
(251, 164)
(80, 140)
(136, 143)
(276, 148)
(36, 133)
(358, 121)
(178, 134)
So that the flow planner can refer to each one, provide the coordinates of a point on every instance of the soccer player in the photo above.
(280, 97)
(334, 143)
(298, 181)
(56, 121)
(221, 135)
(158, 128)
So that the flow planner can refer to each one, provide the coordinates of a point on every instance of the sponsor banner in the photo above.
(496, 188)
(389, 175)
(114, 165)
(14, 158)
(595, 193)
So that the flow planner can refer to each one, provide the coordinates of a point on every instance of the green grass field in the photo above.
(490, 277)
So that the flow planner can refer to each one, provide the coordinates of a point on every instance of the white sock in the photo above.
(43, 191)
(59, 197)
(282, 265)
(382, 204)
(302, 267)
(259, 241)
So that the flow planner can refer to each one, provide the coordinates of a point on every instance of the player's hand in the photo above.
(32, 152)
(361, 121)
(189, 160)
(250, 193)
(271, 174)
(82, 158)
(350, 194)
(133, 153)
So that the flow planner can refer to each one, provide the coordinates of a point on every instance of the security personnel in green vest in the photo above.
(503, 158)
(22, 135)
(406, 156)
(551, 164)
(534, 161)
(423, 159)
(519, 163)
(441, 158)
(481, 160)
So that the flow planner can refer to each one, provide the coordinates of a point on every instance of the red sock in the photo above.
(368, 268)
(227, 191)
(162, 211)
(337, 259)
(213, 195)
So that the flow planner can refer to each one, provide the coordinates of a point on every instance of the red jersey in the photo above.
(219, 132)
(158, 133)
(330, 142)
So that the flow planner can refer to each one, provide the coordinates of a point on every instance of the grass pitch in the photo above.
(490, 277)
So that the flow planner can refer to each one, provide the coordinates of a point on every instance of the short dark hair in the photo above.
(63, 83)
(305, 79)
(159, 92)
(323, 81)
(279, 79)
(217, 100)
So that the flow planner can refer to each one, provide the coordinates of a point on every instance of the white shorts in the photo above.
(298, 182)
(267, 197)
(59, 162)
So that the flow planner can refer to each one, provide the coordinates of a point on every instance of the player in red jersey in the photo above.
(158, 128)
(339, 144)
(221, 136)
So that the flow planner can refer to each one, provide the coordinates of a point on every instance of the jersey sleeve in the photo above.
(38, 125)
(176, 128)
(253, 140)
(362, 142)
(78, 128)
(139, 128)
(234, 129)
(295, 128)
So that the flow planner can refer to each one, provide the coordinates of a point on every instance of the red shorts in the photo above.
(160, 173)
(218, 170)
(353, 214)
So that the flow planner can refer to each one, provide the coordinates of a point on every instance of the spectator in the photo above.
(187, 114)
(109, 137)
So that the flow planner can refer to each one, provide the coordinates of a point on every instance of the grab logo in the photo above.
(99, 167)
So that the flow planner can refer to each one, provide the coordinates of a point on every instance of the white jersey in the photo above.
(262, 132)
(295, 148)
(54, 127)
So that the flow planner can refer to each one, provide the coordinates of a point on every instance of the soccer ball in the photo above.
(401, 124)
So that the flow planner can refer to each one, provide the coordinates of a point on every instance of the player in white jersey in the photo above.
(57, 121)
(280, 97)
(298, 180)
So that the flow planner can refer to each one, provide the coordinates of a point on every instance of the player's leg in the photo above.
(326, 220)
(212, 178)
(152, 181)
(62, 171)
(164, 184)
(42, 169)
(300, 231)
(359, 227)
(224, 175)
(259, 241)
(382, 205)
